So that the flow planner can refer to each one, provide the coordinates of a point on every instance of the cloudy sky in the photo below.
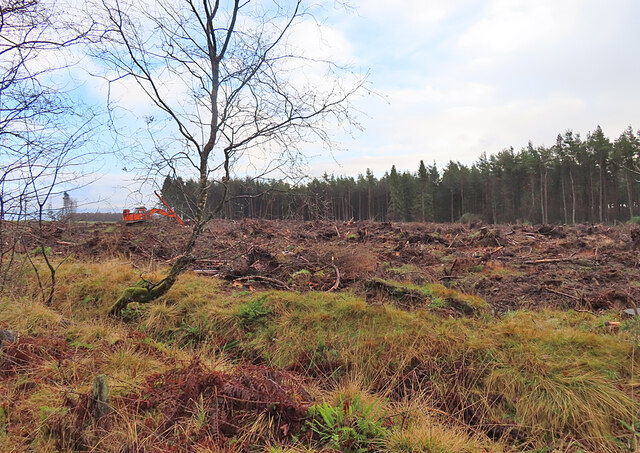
(455, 78)
(460, 77)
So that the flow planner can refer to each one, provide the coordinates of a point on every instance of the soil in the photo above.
(587, 267)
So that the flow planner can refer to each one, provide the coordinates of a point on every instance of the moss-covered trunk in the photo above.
(145, 291)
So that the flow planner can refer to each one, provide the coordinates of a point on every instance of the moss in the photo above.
(301, 272)
(465, 303)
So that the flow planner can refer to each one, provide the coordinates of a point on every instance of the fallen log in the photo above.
(264, 279)
(207, 271)
(550, 260)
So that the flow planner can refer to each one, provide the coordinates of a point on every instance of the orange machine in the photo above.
(142, 214)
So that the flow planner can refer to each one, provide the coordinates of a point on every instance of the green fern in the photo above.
(350, 427)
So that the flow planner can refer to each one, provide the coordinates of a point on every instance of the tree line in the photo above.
(594, 180)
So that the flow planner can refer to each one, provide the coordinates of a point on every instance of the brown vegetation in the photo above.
(512, 267)
(426, 343)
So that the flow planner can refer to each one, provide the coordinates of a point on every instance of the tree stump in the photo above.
(100, 406)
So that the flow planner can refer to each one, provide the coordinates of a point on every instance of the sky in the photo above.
(451, 79)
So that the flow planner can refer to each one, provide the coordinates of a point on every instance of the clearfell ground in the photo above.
(355, 337)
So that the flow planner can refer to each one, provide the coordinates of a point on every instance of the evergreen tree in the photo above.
(426, 201)
(626, 149)
(601, 148)
(395, 195)
(69, 206)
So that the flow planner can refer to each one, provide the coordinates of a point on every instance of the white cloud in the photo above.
(411, 12)
(320, 41)
(495, 74)
(515, 25)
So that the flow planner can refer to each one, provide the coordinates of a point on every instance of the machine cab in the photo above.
(139, 214)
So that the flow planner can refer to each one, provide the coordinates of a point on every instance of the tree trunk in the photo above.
(601, 195)
(573, 197)
(462, 211)
(532, 183)
(451, 204)
(564, 201)
(592, 200)
(543, 195)
(629, 192)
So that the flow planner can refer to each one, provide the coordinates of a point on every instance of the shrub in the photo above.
(253, 312)
(39, 250)
(351, 426)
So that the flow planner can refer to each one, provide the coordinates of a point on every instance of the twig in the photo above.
(337, 283)
(486, 256)
(448, 273)
(561, 293)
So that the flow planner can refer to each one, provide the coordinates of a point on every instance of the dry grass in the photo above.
(558, 380)
(424, 434)
(28, 315)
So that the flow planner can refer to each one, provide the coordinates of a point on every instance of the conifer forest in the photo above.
(577, 180)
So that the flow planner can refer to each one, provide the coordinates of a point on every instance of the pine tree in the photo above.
(601, 148)
(626, 149)
(394, 210)
(426, 202)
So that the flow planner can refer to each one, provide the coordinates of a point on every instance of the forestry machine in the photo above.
(142, 214)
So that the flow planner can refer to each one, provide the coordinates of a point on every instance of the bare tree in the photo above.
(42, 125)
(229, 81)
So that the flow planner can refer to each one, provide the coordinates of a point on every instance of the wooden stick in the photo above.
(550, 260)
(206, 271)
(337, 283)
(561, 293)
(263, 278)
